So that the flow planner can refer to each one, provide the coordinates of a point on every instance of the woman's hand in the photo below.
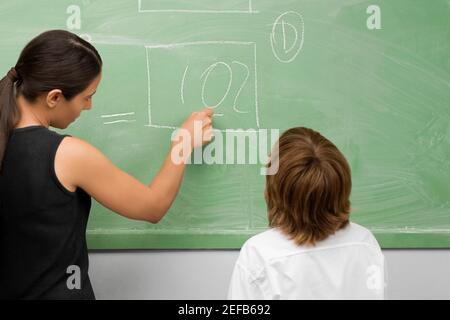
(196, 121)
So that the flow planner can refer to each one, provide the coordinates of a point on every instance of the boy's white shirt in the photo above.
(346, 265)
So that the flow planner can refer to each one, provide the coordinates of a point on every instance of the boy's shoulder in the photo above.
(265, 245)
(353, 233)
(274, 243)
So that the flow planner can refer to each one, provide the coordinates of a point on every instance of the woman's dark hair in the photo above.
(55, 59)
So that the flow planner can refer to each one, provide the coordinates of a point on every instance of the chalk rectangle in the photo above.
(198, 6)
(186, 77)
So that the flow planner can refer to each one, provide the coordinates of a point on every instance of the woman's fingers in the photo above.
(208, 134)
(206, 122)
(208, 111)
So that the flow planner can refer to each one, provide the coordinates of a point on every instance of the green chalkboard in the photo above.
(372, 76)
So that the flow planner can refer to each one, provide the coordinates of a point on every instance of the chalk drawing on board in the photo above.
(182, 84)
(199, 6)
(241, 87)
(186, 76)
(289, 29)
(205, 76)
(117, 115)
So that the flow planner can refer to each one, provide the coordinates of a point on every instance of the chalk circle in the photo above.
(291, 23)
(206, 73)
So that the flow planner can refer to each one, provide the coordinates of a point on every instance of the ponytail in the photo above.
(9, 113)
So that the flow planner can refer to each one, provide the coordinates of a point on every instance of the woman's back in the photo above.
(42, 224)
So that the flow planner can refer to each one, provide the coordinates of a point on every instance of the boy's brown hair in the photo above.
(308, 198)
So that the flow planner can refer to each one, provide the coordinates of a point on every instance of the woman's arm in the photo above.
(78, 164)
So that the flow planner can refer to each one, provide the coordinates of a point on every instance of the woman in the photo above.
(47, 179)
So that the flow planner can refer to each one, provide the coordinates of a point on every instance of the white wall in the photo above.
(204, 274)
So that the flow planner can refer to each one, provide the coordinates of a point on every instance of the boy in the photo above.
(311, 251)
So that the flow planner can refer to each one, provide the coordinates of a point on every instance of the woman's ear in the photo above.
(53, 98)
